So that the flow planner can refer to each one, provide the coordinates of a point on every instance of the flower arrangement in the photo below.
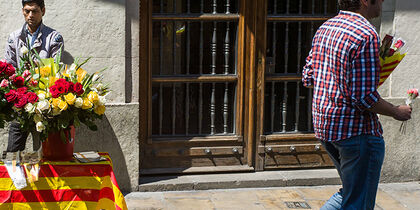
(391, 54)
(50, 96)
(411, 95)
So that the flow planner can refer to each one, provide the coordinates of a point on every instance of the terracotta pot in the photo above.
(55, 149)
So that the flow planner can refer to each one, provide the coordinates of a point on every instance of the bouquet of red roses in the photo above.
(391, 54)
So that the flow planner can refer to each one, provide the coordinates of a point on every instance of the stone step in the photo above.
(308, 177)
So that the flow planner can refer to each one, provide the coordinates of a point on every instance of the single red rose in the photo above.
(3, 67)
(32, 97)
(54, 92)
(22, 90)
(10, 70)
(19, 81)
(68, 87)
(60, 81)
(78, 89)
(11, 96)
(61, 88)
(23, 100)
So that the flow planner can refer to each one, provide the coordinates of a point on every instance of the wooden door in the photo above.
(191, 87)
(286, 138)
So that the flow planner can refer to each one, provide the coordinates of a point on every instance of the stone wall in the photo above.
(402, 158)
(107, 30)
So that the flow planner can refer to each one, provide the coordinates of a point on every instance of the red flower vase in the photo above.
(54, 147)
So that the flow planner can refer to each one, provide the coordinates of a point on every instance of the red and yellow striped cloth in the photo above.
(65, 185)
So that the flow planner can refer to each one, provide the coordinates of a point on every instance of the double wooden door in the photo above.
(220, 85)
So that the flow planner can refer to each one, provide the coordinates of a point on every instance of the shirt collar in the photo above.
(352, 14)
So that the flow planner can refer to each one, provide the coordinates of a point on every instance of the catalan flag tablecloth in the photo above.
(65, 185)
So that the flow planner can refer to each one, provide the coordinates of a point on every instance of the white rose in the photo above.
(40, 126)
(41, 96)
(37, 118)
(24, 50)
(43, 105)
(29, 108)
(102, 100)
(78, 103)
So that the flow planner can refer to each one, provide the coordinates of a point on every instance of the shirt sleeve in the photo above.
(57, 44)
(10, 52)
(307, 73)
(364, 78)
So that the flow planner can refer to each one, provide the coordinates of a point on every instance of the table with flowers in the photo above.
(65, 185)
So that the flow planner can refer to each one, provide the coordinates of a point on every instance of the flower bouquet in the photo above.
(48, 96)
(390, 55)
(412, 94)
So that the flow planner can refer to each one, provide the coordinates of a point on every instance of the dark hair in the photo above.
(40, 3)
(349, 5)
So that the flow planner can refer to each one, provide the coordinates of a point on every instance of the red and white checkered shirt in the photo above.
(343, 66)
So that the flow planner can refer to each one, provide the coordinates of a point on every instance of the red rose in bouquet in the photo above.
(19, 81)
(11, 96)
(22, 101)
(32, 97)
(78, 89)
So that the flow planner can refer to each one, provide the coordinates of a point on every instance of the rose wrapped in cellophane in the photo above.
(391, 54)
(412, 94)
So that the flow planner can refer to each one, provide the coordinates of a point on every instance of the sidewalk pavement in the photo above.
(390, 196)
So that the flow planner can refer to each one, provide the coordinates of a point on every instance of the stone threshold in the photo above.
(284, 178)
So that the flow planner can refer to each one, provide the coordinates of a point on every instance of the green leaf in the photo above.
(63, 136)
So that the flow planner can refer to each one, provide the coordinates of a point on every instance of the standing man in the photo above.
(46, 41)
(343, 70)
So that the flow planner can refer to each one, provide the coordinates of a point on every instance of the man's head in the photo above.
(33, 11)
(368, 8)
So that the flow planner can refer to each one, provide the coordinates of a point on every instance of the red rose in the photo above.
(60, 81)
(78, 89)
(3, 67)
(54, 92)
(22, 101)
(22, 90)
(10, 70)
(32, 97)
(19, 81)
(60, 88)
(11, 96)
(68, 87)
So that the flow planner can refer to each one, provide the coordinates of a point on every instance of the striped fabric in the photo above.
(65, 185)
(343, 66)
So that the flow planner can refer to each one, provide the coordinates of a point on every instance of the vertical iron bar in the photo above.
(214, 6)
(300, 6)
(286, 48)
(273, 103)
(174, 48)
(274, 46)
(313, 7)
(275, 7)
(174, 6)
(225, 101)
(297, 107)
(299, 50)
(287, 6)
(202, 6)
(212, 108)
(310, 109)
(160, 108)
(173, 108)
(200, 100)
(284, 107)
(187, 109)
(227, 6)
(188, 6)
(325, 6)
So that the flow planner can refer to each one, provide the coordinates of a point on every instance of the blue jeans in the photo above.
(358, 161)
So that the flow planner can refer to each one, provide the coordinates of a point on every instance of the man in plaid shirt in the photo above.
(343, 70)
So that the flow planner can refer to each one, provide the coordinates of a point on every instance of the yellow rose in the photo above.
(93, 97)
(80, 74)
(70, 98)
(55, 102)
(87, 104)
(44, 71)
(100, 110)
(63, 105)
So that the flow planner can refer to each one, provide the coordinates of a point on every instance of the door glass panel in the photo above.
(287, 103)
(186, 48)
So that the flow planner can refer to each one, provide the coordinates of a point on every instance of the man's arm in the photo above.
(57, 43)
(307, 73)
(401, 113)
(10, 51)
